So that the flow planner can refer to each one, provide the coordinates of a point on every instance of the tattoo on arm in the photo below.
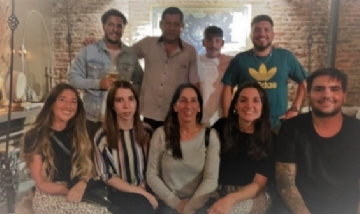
(285, 177)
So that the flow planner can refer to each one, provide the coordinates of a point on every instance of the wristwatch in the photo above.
(294, 108)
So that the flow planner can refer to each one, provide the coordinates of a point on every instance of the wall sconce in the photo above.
(22, 51)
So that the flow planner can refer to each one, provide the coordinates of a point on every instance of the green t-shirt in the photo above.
(272, 73)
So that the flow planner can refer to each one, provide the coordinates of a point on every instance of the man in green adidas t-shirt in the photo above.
(269, 66)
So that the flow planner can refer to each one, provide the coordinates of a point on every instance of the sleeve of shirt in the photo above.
(285, 148)
(102, 156)
(77, 73)
(265, 167)
(139, 47)
(210, 175)
(201, 71)
(193, 68)
(137, 75)
(157, 147)
(297, 72)
(231, 75)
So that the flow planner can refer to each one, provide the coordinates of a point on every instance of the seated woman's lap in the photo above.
(164, 209)
(131, 203)
(48, 204)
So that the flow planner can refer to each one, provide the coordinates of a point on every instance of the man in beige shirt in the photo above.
(169, 62)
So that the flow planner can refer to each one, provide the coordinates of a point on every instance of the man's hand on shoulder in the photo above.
(89, 41)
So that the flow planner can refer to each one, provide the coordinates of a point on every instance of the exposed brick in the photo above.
(291, 17)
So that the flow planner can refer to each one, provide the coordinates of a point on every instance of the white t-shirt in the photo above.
(211, 71)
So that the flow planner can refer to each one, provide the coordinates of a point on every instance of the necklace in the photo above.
(268, 57)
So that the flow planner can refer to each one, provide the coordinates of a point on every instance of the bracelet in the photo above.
(293, 108)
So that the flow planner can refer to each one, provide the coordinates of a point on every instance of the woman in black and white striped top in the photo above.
(121, 150)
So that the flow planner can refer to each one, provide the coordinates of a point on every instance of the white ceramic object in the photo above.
(18, 85)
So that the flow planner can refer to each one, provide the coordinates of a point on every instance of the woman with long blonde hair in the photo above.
(57, 150)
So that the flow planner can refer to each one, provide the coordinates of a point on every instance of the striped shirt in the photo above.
(128, 163)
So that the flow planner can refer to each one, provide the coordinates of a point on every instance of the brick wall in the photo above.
(348, 47)
(291, 19)
(5, 35)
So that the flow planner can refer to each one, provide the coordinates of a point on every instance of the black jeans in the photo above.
(153, 123)
(130, 203)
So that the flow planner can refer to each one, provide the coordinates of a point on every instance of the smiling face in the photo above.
(326, 96)
(65, 106)
(262, 35)
(187, 106)
(125, 104)
(249, 105)
(113, 29)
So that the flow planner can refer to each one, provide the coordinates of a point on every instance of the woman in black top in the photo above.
(247, 163)
(57, 150)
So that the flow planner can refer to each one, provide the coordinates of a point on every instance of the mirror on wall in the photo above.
(33, 45)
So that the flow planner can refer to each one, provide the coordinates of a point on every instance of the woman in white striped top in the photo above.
(121, 150)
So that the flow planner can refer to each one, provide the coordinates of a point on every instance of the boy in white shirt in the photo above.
(212, 66)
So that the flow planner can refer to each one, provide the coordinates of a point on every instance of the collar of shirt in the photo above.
(102, 46)
(181, 46)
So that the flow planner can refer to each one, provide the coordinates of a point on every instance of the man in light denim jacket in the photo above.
(88, 71)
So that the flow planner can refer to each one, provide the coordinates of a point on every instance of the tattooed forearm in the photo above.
(285, 177)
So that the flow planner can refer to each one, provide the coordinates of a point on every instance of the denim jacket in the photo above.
(91, 65)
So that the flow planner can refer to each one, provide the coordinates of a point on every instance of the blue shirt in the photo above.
(91, 65)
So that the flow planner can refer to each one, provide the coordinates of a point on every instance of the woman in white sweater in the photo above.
(183, 166)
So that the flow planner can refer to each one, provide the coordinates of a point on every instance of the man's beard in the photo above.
(261, 48)
(114, 42)
(317, 112)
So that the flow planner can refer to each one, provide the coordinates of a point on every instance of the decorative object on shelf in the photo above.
(18, 86)
(52, 78)
(233, 19)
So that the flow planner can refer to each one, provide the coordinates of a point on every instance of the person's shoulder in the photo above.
(219, 125)
(150, 39)
(225, 58)
(351, 121)
(147, 128)
(202, 57)
(187, 46)
(282, 51)
(243, 54)
(301, 120)
(99, 135)
(220, 122)
(160, 131)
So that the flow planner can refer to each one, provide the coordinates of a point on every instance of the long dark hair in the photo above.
(171, 124)
(39, 136)
(110, 121)
(260, 144)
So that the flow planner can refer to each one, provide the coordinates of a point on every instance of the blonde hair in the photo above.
(38, 136)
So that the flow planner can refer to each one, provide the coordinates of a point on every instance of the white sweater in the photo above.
(194, 177)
